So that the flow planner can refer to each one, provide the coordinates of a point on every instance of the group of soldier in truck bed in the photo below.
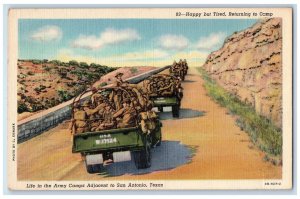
(164, 85)
(117, 108)
(123, 105)
(179, 69)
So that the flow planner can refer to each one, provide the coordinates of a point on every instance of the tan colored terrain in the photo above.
(204, 143)
(249, 65)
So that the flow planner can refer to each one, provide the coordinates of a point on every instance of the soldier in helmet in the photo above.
(107, 115)
(119, 81)
(79, 123)
(126, 116)
(96, 97)
(185, 66)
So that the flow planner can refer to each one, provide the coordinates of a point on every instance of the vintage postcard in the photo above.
(150, 99)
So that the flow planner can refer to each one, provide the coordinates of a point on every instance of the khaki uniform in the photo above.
(148, 121)
(116, 97)
(79, 125)
(95, 99)
(108, 121)
(127, 115)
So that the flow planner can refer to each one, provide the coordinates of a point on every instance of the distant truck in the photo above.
(179, 69)
(116, 143)
(165, 91)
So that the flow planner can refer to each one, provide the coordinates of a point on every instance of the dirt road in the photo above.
(204, 143)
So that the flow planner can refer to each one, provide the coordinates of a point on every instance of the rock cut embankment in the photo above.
(249, 65)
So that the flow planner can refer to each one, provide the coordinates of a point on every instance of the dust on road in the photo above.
(204, 143)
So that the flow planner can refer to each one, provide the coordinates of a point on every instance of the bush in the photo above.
(36, 61)
(73, 63)
(133, 70)
(56, 62)
(30, 73)
(47, 68)
(22, 107)
(63, 95)
(103, 84)
(84, 65)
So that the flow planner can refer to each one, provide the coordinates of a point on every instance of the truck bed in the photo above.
(112, 140)
(164, 101)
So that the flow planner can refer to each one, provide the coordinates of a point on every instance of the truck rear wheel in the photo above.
(142, 159)
(156, 137)
(94, 168)
(175, 111)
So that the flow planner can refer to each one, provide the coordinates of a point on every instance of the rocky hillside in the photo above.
(249, 65)
(43, 84)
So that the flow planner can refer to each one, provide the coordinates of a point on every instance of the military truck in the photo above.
(101, 142)
(179, 69)
(165, 91)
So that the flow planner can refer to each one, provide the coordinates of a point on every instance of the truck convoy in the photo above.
(117, 123)
(179, 69)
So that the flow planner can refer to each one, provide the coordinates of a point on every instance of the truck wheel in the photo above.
(175, 111)
(95, 168)
(156, 137)
(142, 159)
(160, 109)
(159, 141)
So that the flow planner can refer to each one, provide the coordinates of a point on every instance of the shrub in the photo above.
(47, 68)
(84, 65)
(36, 61)
(30, 73)
(22, 107)
(133, 70)
(73, 63)
(63, 95)
(103, 84)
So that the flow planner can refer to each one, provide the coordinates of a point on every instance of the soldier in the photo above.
(116, 96)
(96, 97)
(178, 88)
(79, 124)
(180, 63)
(125, 116)
(107, 121)
(119, 80)
(167, 89)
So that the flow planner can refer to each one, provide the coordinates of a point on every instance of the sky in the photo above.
(125, 42)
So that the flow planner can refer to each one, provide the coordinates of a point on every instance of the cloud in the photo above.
(109, 36)
(47, 33)
(173, 42)
(155, 57)
(150, 54)
(140, 57)
(211, 41)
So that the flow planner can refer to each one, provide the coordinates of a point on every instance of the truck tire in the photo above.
(159, 141)
(160, 109)
(175, 111)
(156, 137)
(142, 159)
(95, 168)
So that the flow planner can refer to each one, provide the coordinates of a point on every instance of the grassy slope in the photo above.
(262, 132)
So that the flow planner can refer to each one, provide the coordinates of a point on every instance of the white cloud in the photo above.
(211, 41)
(109, 36)
(47, 33)
(173, 42)
(155, 57)
(150, 54)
